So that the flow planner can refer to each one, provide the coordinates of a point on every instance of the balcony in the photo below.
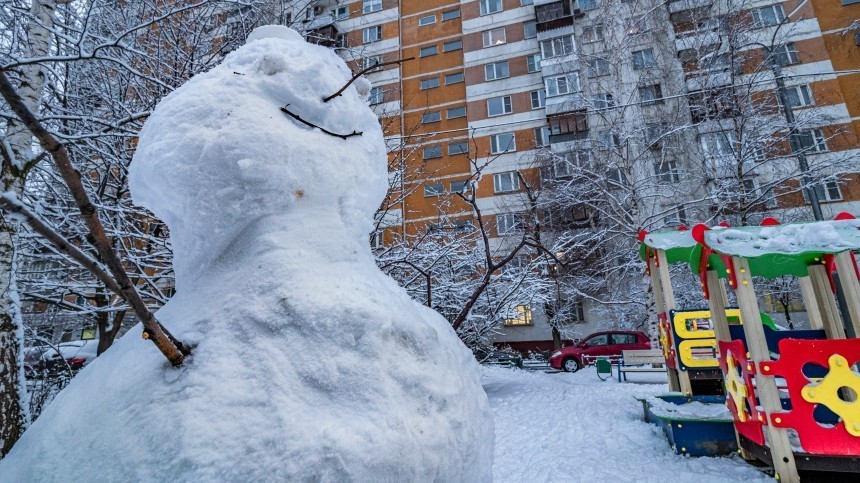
(681, 5)
(551, 16)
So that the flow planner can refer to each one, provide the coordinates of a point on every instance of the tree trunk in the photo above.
(556, 339)
(16, 163)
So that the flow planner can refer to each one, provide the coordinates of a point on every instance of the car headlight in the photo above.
(555, 354)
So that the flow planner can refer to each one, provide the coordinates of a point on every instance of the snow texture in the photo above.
(666, 240)
(309, 364)
(691, 410)
(822, 237)
(576, 428)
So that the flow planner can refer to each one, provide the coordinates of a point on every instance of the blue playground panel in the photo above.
(695, 436)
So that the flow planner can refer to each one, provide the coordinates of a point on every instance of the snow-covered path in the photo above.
(573, 427)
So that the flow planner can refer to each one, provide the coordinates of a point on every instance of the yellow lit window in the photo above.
(522, 315)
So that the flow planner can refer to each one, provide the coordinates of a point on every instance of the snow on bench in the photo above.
(640, 358)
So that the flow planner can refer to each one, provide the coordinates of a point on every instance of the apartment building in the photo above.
(636, 87)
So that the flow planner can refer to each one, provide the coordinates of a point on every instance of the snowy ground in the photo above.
(573, 427)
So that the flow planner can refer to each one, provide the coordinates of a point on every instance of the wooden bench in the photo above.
(640, 358)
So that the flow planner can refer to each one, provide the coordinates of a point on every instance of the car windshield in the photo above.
(602, 339)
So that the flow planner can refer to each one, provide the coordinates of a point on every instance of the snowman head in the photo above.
(219, 154)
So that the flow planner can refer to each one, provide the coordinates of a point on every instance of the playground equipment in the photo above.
(793, 395)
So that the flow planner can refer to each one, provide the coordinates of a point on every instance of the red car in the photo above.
(607, 343)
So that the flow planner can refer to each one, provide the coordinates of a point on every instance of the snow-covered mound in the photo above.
(309, 363)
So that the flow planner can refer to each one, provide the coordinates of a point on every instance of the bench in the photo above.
(640, 358)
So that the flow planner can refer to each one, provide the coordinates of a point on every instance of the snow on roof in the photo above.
(792, 239)
(666, 240)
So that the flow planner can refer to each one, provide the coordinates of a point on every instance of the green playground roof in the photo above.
(771, 251)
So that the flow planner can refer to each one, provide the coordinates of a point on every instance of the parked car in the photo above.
(77, 354)
(33, 360)
(607, 343)
(497, 357)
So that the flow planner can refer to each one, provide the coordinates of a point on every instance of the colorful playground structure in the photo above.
(792, 394)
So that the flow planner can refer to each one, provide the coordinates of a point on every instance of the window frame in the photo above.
(494, 68)
(500, 185)
(366, 39)
(495, 143)
(507, 106)
(370, 6)
(488, 39)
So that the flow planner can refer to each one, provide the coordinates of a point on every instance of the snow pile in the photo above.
(572, 427)
(823, 236)
(690, 410)
(309, 364)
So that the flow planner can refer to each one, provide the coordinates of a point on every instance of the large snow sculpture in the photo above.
(309, 363)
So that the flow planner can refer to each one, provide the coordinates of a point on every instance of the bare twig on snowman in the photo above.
(308, 123)
(361, 73)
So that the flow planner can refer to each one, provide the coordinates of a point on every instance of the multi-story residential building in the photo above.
(647, 92)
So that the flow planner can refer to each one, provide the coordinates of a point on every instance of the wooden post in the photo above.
(810, 303)
(783, 458)
(717, 301)
(660, 304)
(850, 288)
(669, 298)
(826, 303)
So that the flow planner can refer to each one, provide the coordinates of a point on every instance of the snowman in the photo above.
(308, 363)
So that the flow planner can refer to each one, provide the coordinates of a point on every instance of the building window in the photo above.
(431, 152)
(538, 98)
(502, 143)
(455, 112)
(798, 96)
(652, 94)
(643, 59)
(371, 61)
(572, 122)
(718, 144)
(452, 45)
(656, 134)
(428, 51)
(428, 20)
(533, 62)
(530, 29)
(458, 186)
(557, 47)
(369, 6)
(341, 13)
(666, 171)
(607, 139)
(767, 16)
(527, 2)
(342, 40)
(458, 148)
(592, 34)
(432, 116)
(493, 37)
(429, 83)
(375, 96)
(435, 189)
(450, 15)
(454, 78)
(541, 136)
(587, 4)
(506, 182)
(616, 177)
(497, 106)
(603, 101)
(597, 67)
(376, 240)
(509, 223)
(828, 191)
(520, 315)
(496, 70)
(811, 141)
(490, 6)
(371, 34)
(786, 54)
(563, 84)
